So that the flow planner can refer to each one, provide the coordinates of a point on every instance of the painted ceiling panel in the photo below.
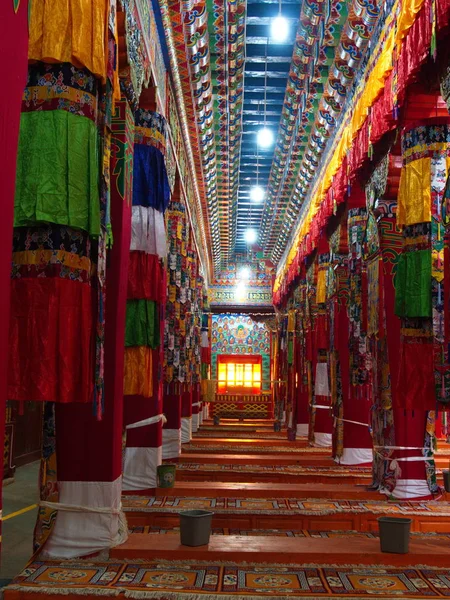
(237, 80)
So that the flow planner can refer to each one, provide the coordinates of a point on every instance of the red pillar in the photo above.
(186, 415)
(301, 367)
(143, 422)
(197, 407)
(89, 452)
(14, 53)
(357, 441)
(323, 421)
(172, 428)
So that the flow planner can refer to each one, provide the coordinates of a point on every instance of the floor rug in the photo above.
(250, 435)
(337, 471)
(281, 506)
(236, 427)
(170, 580)
(238, 449)
(300, 533)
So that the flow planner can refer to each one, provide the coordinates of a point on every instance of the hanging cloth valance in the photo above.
(150, 182)
(58, 171)
(148, 231)
(142, 324)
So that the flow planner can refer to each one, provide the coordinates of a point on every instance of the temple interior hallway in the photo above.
(288, 522)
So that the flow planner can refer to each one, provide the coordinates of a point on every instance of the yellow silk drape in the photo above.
(138, 372)
(72, 31)
(414, 194)
(359, 112)
(321, 296)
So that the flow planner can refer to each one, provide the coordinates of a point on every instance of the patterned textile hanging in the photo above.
(421, 272)
(58, 247)
(382, 246)
(337, 292)
(62, 221)
(175, 366)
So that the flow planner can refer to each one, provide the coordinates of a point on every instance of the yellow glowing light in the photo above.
(241, 292)
(239, 375)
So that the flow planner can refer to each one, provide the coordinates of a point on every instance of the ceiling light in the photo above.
(244, 273)
(250, 236)
(265, 137)
(257, 193)
(279, 29)
(241, 292)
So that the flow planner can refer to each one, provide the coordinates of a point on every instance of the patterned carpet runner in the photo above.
(237, 448)
(300, 533)
(277, 469)
(282, 506)
(171, 580)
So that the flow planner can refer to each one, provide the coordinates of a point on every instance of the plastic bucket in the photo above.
(446, 475)
(195, 527)
(292, 435)
(166, 475)
(394, 534)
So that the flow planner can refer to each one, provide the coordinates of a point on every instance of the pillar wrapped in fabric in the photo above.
(13, 49)
(310, 349)
(146, 298)
(357, 442)
(383, 245)
(171, 434)
(301, 418)
(186, 416)
(420, 281)
(197, 408)
(337, 292)
(89, 517)
(143, 420)
(321, 421)
(176, 367)
(57, 247)
(420, 291)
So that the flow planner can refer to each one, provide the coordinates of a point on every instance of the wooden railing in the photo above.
(257, 406)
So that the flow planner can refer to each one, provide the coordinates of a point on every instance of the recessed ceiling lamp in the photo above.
(265, 137)
(279, 29)
(250, 236)
(257, 193)
(240, 292)
(244, 273)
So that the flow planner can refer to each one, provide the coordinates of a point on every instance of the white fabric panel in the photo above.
(195, 422)
(139, 469)
(171, 443)
(302, 429)
(149, 421)
(201, 415)
(356, 456)
(324, 440)
(205, 340)
(411, 488)
(205, 410)
(148, 231)
(322, 387)
(186, 429)
(81, 533)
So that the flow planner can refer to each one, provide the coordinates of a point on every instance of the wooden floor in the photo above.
(226, 467)
(267, 549)
(278, 507)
